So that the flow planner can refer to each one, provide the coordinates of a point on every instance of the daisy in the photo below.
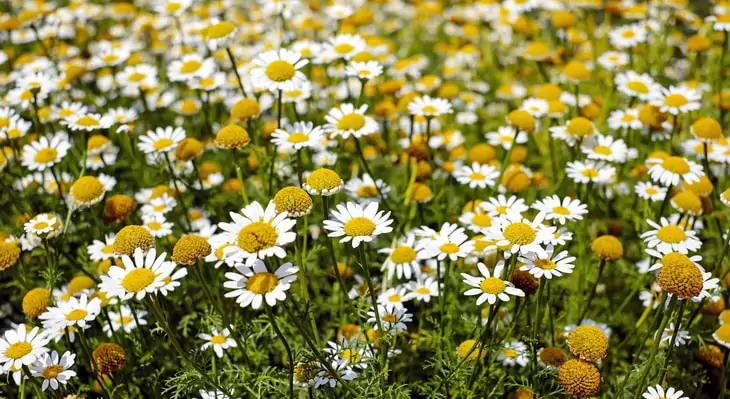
(574, 131)
(676, 100)
(477, 176)
(567, 209)
(658, 392)
(627, 36)
(159, 206)
(393, 297)
(279, 70)
(669, 171)
(138, 276)
(502, 206)
(325, 378)
(257, 233)
(633, 84)
(157, 225)
(669, 237)
(514, 353)
(520, 235)
(625, 119)
(650, 192)
(16, 128)
(125, 320)
(548, 266)
(366, 189)
(54, 369)
(74, 312)
(709, 285)
(476, 222)
(605, 148)
(429, 107)
(45, 152)
(613, 60)
(172, 281)
(403, 259)
(161, 140)
(87, 122)
(254, 285)
(297, 136)
(190, 67)
(19, 347)
(351, 350)
(489, 286)
(423, 289)
(364, 70)
(681, 339)
(217, 340)
(134, 78)
(393, 319)
(44, 225)
(345, 120)
(590, 171)
(449, 242)
(343, 46)
(357, 224)
(505, 137)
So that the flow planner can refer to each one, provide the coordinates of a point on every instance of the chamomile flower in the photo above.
(44, 225)
(325, 378)
(78, 312)
(514, 353)
(138, 276)
(627, 36)
(681, 339)
(190, 67)
(403, 259)
(449, 242)
(161, 140)
(669, 237)
(605, 148)
(477, 176)
(279, 70)
(157, 225)
(429, 107)
(502, 206)
(217, 340)
(624, 119)
(658, 392)
(393, 297)
(252, 286)
(257, 233)
(640, 86)
(87, 122)
(54, 369)
(489, 286)
(45, 152)
(676, 100)
(564, 210)
(590, 172)
(364, 70)
(366, 189)
(297, 136)
(505, 137)
(672, 170)
(20, 347)
(423, 289)
(125, 320)
(345, 120)
(520, 235)
(357, 223)
(392, 318)
(548, 266)
(650, 192)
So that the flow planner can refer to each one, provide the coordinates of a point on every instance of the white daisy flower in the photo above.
(217, 340)
(254, 285)
(393, 319)
(325, 378)
(45, 152)
(87, 122)
(297, 136)
(514, 353)
(489, 286)
(605, 148)
(502, 206)
(449, 242)
(650, 192)
(505, 137)
(345, 120)
(520, 235)
(564, 210)
(429, 107)
(477, 176)
(393, 297)
(633, 84)
(590, 171)
(658, 392)
(54, 370)
(161, 140)
(423, 289)
(677, 100)
(670, 171)
(681, 339)
(356, 224)
(279, 70)
(403, 259)
(77, 311)
(366, 189)
(141, 275)
(125, 320)
(670, 237)
(190, 67)
(19, 347)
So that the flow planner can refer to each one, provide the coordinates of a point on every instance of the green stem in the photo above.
(592, 293)
(283, 340)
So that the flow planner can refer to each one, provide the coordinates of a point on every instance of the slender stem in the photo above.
(677, 322)
(179, 193)
(235, 71)
(365, 166)
(592, 293)
(374, 301)
(283, 340)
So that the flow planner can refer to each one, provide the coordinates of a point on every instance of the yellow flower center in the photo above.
(502, 209)
(403, 254)
(189, 107)
(675, 165)
(590, 173)
(520, 233)
(87, 120)
(262, 283)
(350, 355)
(429, 109)
(76, 315)
(298, 137)
(651, 190)
(190, 66)
(138, 279)
(545, 264)
(344, 48)
(40, 225)
(602, 149)
(109, 58)
(351, 122)
(162, 144)
(580, 127)
(136, 77)
(18, 350)
(628, 118)
(218, 339)
(482, 220)
(510, 353)
(395, 298)
(638, 87)
(124, 320)
(257, 236)
(52, 371)
(46, 155)
(561, 210)
(389, 318)
(423, 290)
(280, 71)
(675, 100)
(154, 225)
(359, 226)
(449, 248)
(476, 176)
(367, 192)
(671, 234)
(628, 34)
(221, 29)
(492, 285)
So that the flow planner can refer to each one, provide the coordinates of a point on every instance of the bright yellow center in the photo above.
(154, 225)
(510, 353)
(520, 233)
(389, 318)
(638, 87)
(367, 192)
(545, 264)
(221, 29)
(675, 100)
(429, 109)
(359, 226)
(476, 176)
(190, 66)
(449, 248)
(482, 220)
(403, 254)
(162, 144)
(262, 283)
(218, 339)
(298, 137)
(351, 122)
(88, 121)
(138, 279)
(671, 234)
(280, 71)
(344, 48)
(46, 155)
(52, 371)
(257, 236)
(395, 298)
(628, 34)
(136, 76)
(492, 285)
(675, 165)
(76, 315)
(590, 173)
(602, 149)
(580, 127)
(18, 350)
(561, 210)
(423, 291)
